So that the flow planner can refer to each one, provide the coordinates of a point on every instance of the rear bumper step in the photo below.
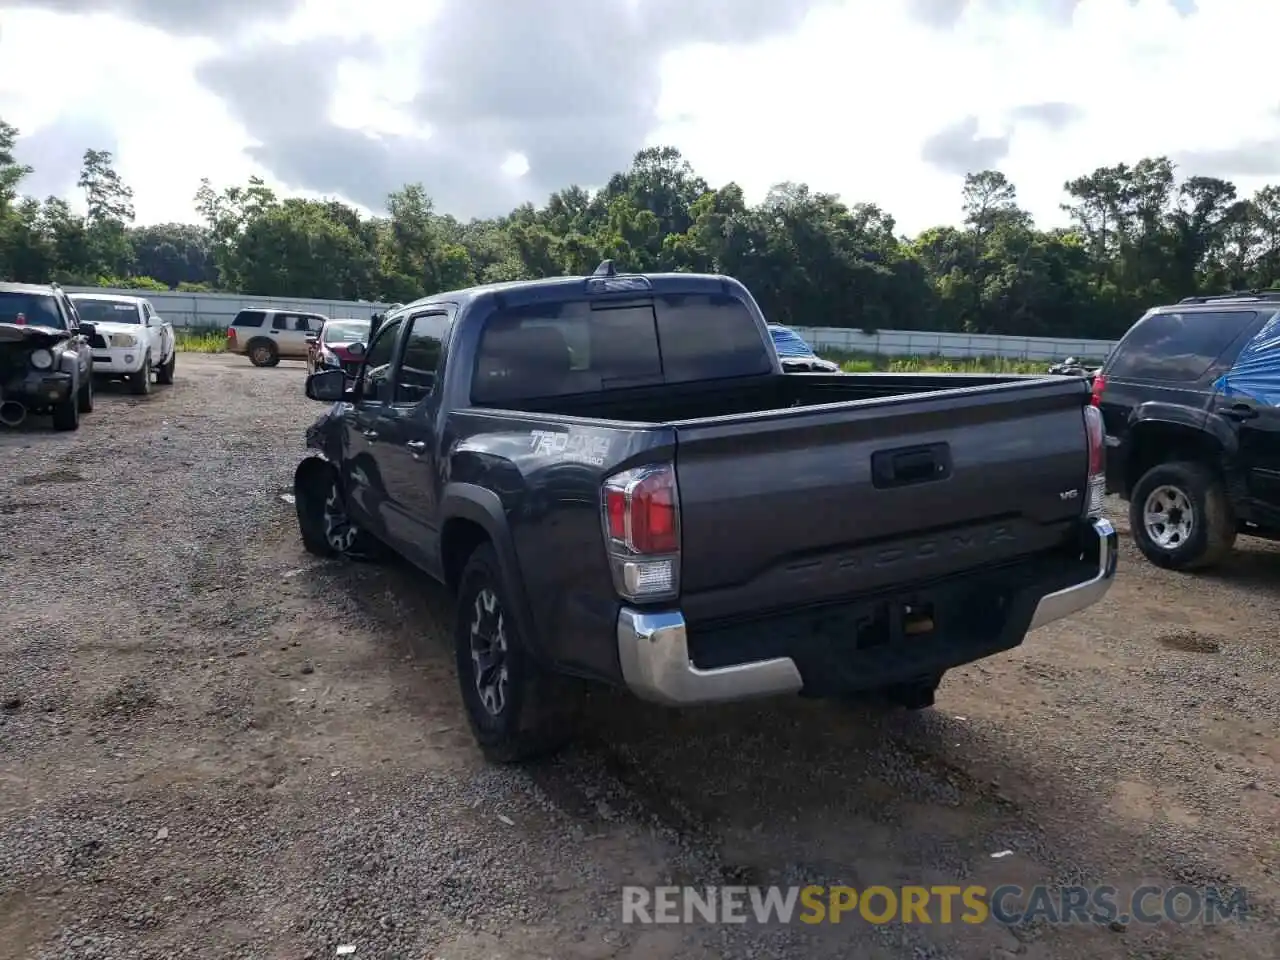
(654, 654)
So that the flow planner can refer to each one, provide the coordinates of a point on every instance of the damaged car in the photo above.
(46, 364)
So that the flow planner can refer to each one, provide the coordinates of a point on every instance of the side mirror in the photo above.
(327, 386)
(356, 351)
(86, 329)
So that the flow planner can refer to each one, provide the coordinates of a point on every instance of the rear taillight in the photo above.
(1096, 485)
(1099, 384)
(231, 333)
(640, 511)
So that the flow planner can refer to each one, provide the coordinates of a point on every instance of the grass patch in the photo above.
(872, 363)
(201, 340)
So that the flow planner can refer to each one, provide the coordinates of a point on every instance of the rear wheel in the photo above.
(1180, 516)
(517, 709)
(263, 353)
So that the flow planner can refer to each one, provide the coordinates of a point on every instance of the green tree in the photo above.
(110, 212)
(1140, 234)
(174, 254)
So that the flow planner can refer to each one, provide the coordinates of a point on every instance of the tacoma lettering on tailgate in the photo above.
(941, 546)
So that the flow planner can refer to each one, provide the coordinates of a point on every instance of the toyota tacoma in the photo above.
(618, 483)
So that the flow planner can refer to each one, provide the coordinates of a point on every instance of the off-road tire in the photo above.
(164, 372)
(539, 712)
(312, 491)
(140, 382)
(84, 398)
(263, 353)
(1213, 527)
(66, 415)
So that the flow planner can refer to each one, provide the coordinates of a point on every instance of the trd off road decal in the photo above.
(576, 446)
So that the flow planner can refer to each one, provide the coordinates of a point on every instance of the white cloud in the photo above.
(844, 103)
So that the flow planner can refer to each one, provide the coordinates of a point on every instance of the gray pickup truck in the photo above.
(619, 483)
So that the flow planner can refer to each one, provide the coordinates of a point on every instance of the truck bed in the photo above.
(694, 401)
(797, 489)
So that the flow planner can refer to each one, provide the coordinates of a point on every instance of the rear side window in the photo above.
(249, 318)
(551, 349)
(297, 322)
(1177, 347)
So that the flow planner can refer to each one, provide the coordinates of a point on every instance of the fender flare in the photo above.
(481, 506)
(1198, 421)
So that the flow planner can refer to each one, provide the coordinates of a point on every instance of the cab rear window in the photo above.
(577, 346)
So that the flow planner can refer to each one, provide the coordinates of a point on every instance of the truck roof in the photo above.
(109, 297)
(551, 288)
(30, 288)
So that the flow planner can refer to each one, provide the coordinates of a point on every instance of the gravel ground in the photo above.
(214, 745)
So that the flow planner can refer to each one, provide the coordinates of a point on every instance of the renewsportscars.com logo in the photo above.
(942, 904)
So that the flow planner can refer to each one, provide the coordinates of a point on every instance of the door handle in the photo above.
(370, 434)
(417, 446)
(1238, 411)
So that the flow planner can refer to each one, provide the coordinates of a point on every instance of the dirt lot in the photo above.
(213, 745)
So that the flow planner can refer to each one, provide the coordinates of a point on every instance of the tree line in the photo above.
(1138, 236)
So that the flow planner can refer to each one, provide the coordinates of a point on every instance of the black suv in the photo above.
(46, 364)
(1197, 461)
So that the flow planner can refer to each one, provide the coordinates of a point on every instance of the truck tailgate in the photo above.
(812, 504)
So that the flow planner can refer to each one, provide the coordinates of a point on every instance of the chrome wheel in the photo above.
(1169, 517)
(339, 532)
(489, 651)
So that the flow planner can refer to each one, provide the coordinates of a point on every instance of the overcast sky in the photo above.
(493, 102)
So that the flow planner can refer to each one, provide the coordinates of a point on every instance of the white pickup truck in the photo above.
(131, 342)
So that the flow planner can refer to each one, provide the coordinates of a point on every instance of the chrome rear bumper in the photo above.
(654, 651)
(1073, 599)
(653, 647)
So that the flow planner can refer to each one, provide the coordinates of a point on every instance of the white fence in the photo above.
(918, 343)
(218, 309)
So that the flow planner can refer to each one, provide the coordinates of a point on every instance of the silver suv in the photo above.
(268, 336)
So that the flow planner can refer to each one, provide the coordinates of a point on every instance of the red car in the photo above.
(328, 350)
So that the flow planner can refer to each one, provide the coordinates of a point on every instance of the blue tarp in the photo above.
(1256, 373)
